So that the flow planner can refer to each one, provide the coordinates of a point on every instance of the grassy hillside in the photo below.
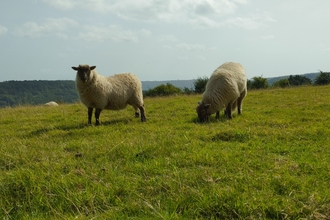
(272, 162)
(36, 92)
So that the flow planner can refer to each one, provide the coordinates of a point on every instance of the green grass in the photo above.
(271, 162)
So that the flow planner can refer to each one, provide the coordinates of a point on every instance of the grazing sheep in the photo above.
(226, 88)
(112, 93)
(52, 103)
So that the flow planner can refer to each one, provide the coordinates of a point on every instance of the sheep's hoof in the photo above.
(137, 115)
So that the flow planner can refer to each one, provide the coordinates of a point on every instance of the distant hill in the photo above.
(146, 85)
(36, 92)
(311, 76)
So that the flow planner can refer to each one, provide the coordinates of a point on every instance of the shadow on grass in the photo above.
(80, 126)
(211, 120)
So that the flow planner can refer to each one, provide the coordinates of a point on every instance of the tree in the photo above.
(163, 90)
(188, 91)
(322, 79)
(299, 80)
(282, 83)
(259, 83)
(200, 84)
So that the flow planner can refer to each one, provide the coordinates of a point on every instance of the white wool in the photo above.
(52, 103)
(112, 93)
(226, 84)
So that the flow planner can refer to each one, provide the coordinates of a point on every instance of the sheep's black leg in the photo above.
(228, 111)
(239, 101)
(217, 115)
(137, 112)
(239, 106)
(97, 116)
(90, 112)
(142, 111)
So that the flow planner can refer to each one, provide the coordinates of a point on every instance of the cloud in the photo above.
(198, 13)
(267, 37)
(185, 46)
(51, 26)
(110, 33)
(183, 58)
(3, 30)
(168, 47)
(201, 58)
(62, 4)
(250, 22)
(168, 38)
(66, 28)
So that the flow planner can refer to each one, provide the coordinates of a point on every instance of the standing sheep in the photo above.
(226, 88)
(112, 93)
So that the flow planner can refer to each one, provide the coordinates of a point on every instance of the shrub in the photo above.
(188, 91)
(282, 83)
(258, 83)
(200, 84)
(322, 79)
(163, 90)
(298, 80)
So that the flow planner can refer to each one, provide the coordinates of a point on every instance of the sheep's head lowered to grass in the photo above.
(84, 71)
(226, 89)
(202, 113)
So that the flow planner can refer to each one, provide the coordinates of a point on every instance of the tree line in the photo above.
(323, 78)
(13, 93)
(257, 82)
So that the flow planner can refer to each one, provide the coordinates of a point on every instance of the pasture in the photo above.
(271, 162)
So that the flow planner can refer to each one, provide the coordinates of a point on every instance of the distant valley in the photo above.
(35, 92)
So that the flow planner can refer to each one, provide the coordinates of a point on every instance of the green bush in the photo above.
(258, 83)
(322, 79)
(298, 80)
(163, 90)
(200, 84)
(282, 83)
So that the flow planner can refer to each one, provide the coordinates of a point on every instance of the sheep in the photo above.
(112, 93)
(52, 103)
(226, 88)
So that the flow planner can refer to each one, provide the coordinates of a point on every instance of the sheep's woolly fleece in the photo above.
(113, 92)
(52, 103)
(226, 84)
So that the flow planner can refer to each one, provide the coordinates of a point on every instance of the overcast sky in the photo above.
(162, 39)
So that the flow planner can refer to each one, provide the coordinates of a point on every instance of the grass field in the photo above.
(271, 162)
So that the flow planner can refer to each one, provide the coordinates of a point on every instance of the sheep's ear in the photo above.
(74, 68)
(207, 105)
(92, 67)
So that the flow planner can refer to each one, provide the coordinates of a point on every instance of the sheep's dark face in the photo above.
(202, 112)
(84, 72)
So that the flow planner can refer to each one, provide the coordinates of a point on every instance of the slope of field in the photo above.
(271, 162)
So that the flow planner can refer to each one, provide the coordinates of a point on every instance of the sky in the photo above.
(162, 39)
